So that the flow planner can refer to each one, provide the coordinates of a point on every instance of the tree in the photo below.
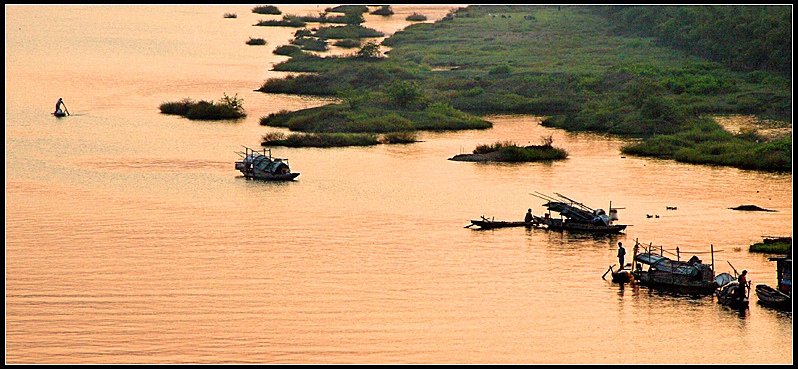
(369, 51)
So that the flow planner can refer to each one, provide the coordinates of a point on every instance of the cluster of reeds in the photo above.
(230, 15)
(266, 9)
(256, 41)
(416, 17)
(324, 140)
(226, 108)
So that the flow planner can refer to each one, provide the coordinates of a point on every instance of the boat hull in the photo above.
(770, 297)
(559, 224)
(487, 224)
(674, 283)
(728, 295)
(271, 177)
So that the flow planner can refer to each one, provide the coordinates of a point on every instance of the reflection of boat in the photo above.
(258, 165)
(490, 224)
(575, 216)
(689, 277)
(781, 298)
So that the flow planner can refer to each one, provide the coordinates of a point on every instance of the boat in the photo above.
(773, 298)
(257, 165)
(780, 298)
(576, 216)
(59, 113)
(485, 223)
(691, 277)
(621, 276)
(728, 292)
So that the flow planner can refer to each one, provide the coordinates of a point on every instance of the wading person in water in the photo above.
(528, 216)
(621, 254)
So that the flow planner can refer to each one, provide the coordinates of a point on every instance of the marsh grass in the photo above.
(230, 15)
(772, 248)
(324, 140)
(266, 9)
(287, 21)
(226, 108)
(256, 41)
(416, 17)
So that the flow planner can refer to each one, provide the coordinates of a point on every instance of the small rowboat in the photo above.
(771, 297)
(59, 114)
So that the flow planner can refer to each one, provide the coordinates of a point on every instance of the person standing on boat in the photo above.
(58, 105)
(743, 284)
(621, 254)
(528, 216)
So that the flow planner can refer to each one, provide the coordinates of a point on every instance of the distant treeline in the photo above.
(744, 38)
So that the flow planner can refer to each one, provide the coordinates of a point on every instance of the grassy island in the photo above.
(226, 108)
(508, 151)
(773, 246)
(653, 72)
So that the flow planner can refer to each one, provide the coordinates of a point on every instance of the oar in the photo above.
(608, 270)
(735, 270)
(65, 108)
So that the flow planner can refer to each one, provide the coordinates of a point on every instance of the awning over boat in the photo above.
(662, 263)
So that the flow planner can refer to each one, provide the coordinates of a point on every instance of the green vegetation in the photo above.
(226, 108)
(266, 9)
(347, 43)
(384, 10)
(287, 21)
(323, 140)
(586, 68)
(509, 151)
(772, 248)
(256, 41)
(416, 17)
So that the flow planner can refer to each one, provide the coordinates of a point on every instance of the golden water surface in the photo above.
(131, 238)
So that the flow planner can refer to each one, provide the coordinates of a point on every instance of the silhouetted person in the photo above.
(528, 216)
(621, 254)
(743, 284)
(58, 105)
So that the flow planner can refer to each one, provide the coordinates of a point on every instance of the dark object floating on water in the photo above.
(750, 208)
(576, 216)
(691, 277)
(486, 223)
(781, 297)
(729, 294)
(255, 165)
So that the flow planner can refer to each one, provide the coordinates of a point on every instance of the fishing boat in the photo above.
(257, 165)
(728, 294)
(780, 298)
(689, 277)
(59, 113)
(576, 216)
(485, 223)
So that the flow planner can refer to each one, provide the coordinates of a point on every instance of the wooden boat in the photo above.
(573, 225)
(770, 297)
(59, 113)
(576, 216)
(256, 165)
(729, 294)
(490, 224)
(689, 277)
(780, 298)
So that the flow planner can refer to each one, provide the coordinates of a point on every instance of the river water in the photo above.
(131, 238)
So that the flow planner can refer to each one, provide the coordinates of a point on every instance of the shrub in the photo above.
(256, 41)
(266, 9)
(416, 17)
(230, 15)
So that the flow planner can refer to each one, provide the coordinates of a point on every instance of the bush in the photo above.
(266, 9)
(256, 41)
(227, 108)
